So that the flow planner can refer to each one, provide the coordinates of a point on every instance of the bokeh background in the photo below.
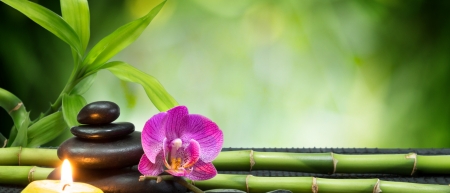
(269, 73)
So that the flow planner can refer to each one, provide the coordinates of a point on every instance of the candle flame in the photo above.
(66, 173)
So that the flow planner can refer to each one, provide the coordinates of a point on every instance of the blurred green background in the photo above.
(270, 73)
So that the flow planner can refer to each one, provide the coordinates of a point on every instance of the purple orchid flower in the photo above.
(181, 144)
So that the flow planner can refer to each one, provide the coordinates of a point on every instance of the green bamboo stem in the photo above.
(22, 175)
(13, 156)
(247, 160)
(67, 88)
(329, 163)
(254, 184)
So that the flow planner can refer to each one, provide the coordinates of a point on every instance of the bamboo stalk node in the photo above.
(246, 183)
(315, 186)
(17, 107)
(376, 188)
(413, 156)
(335, 161)
(252, 160)
(31, 174)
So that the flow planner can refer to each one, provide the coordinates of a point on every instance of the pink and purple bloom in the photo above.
(181, 144)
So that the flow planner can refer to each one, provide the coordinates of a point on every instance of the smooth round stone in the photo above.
(108, 131)
(97, 113)
(120, 180)
(102, 154)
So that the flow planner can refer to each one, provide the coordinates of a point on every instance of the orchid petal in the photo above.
(146, 167)
(166, 152)
(153, 135)
(178, 172)
(192, 154)
(202, 171)
(176, 122)
(206, 133)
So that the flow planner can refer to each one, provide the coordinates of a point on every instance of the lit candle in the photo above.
(65, 185)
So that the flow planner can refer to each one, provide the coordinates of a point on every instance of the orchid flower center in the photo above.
(180, 160)
(174, 161)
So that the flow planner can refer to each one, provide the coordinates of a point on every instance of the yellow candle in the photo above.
(65, 185)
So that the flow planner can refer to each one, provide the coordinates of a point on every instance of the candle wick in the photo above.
(64, 187)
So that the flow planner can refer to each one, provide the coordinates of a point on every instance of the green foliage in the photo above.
(46, 129)
(48, 20)
(155, 91)
(71, 105)
(15, 108)
(118, 40)
(74, 29)
(3, 140)
(84, 85)
(76, 14)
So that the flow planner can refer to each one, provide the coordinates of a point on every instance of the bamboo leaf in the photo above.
(84, 85)
(118, 40)
(76, 14)
(3, 141)
(56, 142)
(71, 105)
(155, 91)
(46, 129)
(21, 138)
(12, 136)
(48, 20)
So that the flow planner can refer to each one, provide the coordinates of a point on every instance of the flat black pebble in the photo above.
(119, 181)
(108, 131)
(97, 113)
(102, 154)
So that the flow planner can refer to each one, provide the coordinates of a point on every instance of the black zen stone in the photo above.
(102, 154)
(97, 113)
(120, 180)
(108, 131)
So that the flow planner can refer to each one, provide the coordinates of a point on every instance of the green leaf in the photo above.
(155, 91)
(48, 20)
(129, 94)
(56, 142)
(12, 136)
(118, 40)
(46, 129)
(84, 85)
(3, 141)
(76, 14)
(21, 138)
(71, 105)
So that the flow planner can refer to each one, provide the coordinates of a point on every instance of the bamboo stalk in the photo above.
(29, 156)
(254, 184)
(438, 164)
(247, 160)
(22, 175)
(329, 163)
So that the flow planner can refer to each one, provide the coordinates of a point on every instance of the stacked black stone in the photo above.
(102, 152)
(99, 143)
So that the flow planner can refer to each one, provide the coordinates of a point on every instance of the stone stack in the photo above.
(99, 143)
(102, 152)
